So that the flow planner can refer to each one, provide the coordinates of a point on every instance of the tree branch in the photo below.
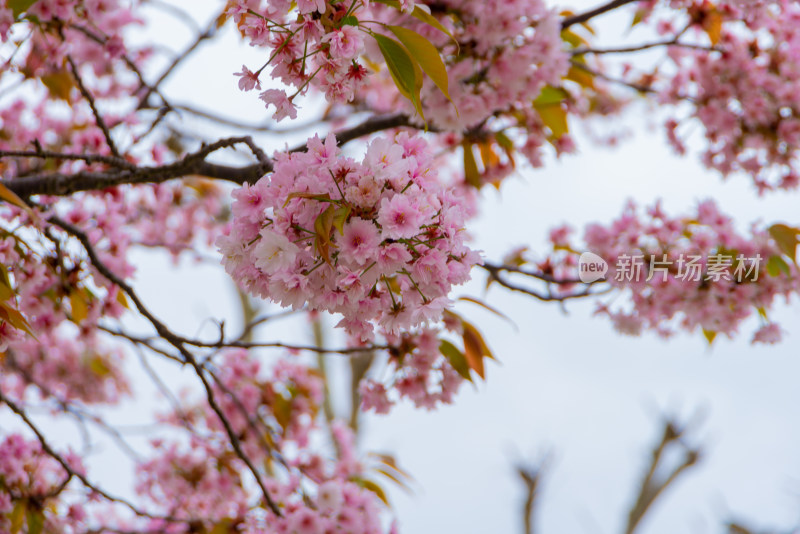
(60, 184)
(588, 15)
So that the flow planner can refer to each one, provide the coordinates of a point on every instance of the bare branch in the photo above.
(651, 487)
(97, 117)
(177, 342)
(588, 15)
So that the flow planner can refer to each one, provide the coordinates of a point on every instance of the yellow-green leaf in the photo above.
(456, 359)
(471, 174)
(426, 54)
(322, 227)
(35, 521)
(421, 15)
(550, 95)
(709, 335)
(786, 239)
(405, 71)
(712, 24)
(554, 117)
(17, 517)
(371, 486)
(79, 305)
(59, 84)
(18, 7)
(340, 216)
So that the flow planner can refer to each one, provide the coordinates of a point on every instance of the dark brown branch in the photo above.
(495, 275)
(59, 184)
(68, 468)
(531, 478)
(641, 47)
(588, 15)
(177, 342)
(88, 158)
(98, 118)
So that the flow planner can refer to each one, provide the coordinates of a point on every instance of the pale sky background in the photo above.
(566, 383)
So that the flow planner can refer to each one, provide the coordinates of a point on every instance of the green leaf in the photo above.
(550, 95)
(405, 71)
(340, 216)
(35, 521)
(426, 54)
(786, 239)
(421, 15)
(555, 118)
(456, 359)
(17, 516)
(322, 227)
(776, 265)
(471, 174)
(349, 20)
(18, 7)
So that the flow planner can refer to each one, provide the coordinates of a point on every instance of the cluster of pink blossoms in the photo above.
(311, 42)
(276, 419)
(419, 373)
(378, 240)
(746, 93)
(35, 481)
(668, 300)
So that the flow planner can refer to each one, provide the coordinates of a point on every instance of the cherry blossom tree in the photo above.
(411, 108)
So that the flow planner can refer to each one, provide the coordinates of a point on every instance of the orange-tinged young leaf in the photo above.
(394, 478)
(122, 299)
(473, 353)
(456, 359)
(59, 84)
(12, 198)
(776, 265)
(786, 238)
(14, 318)
(79, 305)
(712, 24)
(474, 332)
(426, 55)
(486, 307)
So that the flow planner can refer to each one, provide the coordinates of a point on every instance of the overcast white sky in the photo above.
(566, 384)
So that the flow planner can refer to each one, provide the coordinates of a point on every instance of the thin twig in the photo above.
(97, 117)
